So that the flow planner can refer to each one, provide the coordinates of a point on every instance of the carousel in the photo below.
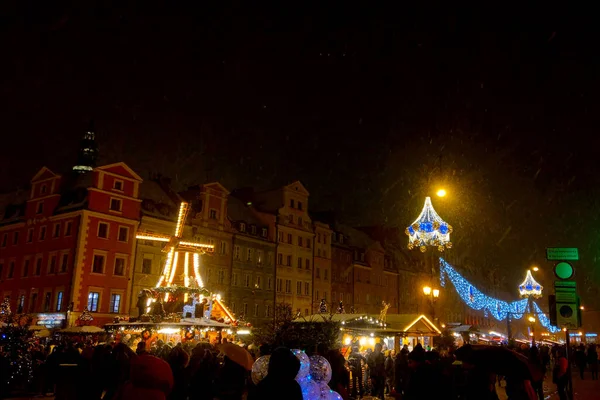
(179, 308)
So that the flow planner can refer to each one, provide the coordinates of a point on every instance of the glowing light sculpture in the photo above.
(429, 229)
(174, 245)
(530, 288)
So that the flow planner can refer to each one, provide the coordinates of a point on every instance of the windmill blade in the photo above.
(184, 209)
(156, 237)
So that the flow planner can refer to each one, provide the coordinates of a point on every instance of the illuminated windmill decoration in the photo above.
(429, 229)
(530, 288)
(174, 247)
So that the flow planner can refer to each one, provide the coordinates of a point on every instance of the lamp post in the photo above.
(432, 296)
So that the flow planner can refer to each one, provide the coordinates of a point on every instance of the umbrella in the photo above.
(238, 355)
(497, 359)
(151, 373)
(82, 329)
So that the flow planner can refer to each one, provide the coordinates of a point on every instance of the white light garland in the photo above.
(429, 229)
(530, 287)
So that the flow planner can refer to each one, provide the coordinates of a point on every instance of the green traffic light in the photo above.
(563, 270)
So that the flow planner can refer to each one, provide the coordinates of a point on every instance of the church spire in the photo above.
(88, 152)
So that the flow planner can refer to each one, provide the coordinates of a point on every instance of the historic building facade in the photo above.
(322, 270)
(70, 244)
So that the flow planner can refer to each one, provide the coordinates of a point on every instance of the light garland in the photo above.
(544, 320)
(429, 229)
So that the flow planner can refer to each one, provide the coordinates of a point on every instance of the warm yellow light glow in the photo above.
(167, 269)
(426, 290)
(536, 269)
(186, 268)
(436, 293)
(362, 341)
(168, 330)
(564, 329)
(243, 332)
(347, 341)
(530, 333)
(174, 267)
(443, 325)
(183, 210)
(428, 322)
(145, 236)
(531, 319)
(582, 308)
(441, 193)
(580, 333)
(372, 341)
(196, 258)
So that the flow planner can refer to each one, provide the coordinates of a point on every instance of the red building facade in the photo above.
(68, 244)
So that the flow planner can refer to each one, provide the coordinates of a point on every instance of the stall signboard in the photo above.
(51, 320)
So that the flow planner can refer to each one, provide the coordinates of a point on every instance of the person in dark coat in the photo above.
(581, 359)
(280, 382)
(592, 360)
(376, 363)
(355, 360)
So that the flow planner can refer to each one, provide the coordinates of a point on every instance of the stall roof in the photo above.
(186, 322)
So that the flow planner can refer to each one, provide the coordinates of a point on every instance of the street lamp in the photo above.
(436, 293)
(432, 295)
(441, 193)
(531, 319)
(427, 290)
(535, 269)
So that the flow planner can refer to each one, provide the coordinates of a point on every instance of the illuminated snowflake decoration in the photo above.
(429, 230)
(530, 287)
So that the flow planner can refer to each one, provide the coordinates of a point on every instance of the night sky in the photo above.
(362, 105)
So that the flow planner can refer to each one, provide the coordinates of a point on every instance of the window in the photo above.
(267, 310)
(256, 310)
(11, 269)
(298, 288)
(47, 300)
(21, 304)
(118, 185)
(64, 263)
(269, 283)
(233, 307)
(52, 264)
(4, 239)
(115, 204)
(147, 266)
(259, 257)
(299, 240)
(307, 289)
(29, 235)
(250, 255)
(307, 263)
(247, 280)
(98, 264)
(279, 259)
(300, 221)
(103, 230)
(318, 238)
(93, 300)
(245, 309)
(33, 303)
(264, 232)
(43, 189)
(289, 238)
(40, 207)
(59, 299)
(280, 237)
(115, 303)
(324, 239)
(269, 258)
(253, 229)
(42, 233)
(16, 238)
(123, 234)
(318, 273)
(221, 277)
(56, 231)
(212, 213)
(236, 252)
(1, 270)
(119, 266)
(242, 227)
(289, 261)
(299, 205)
(258, 284)
(325, 274)
(299, 262)
(288, 286)
(26, 267)
(234, 279)
(291, 219)
(279, 284)
(324, 253)
(292, 203)
(308, 244)
(325, 295)
(223, 247)
(68, 226)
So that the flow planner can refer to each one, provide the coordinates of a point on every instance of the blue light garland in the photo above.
(475, 299)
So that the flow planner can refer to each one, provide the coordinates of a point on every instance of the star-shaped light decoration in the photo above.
(429, 229)
(530, 288)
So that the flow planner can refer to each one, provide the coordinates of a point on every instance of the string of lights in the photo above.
(477, 300)
(544, 320)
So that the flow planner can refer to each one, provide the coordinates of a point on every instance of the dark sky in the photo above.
(357, 103)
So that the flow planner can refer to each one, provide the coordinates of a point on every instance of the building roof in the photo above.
(237, 210)
(156, 202)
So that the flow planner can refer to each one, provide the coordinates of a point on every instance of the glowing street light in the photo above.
(531, 319)
(441, 193)
(427, 290)
(436, 293)
(535, 269)
(581, 307)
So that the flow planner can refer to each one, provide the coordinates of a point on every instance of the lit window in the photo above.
(115, 303)
(267, 311)
(93, 300)
(242, 227)
(115, 204)
(258, 284)
(264, 232)
(59, 300)
(253, 229)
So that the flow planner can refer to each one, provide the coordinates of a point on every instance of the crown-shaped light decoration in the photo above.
(429, 230)
(530, 287)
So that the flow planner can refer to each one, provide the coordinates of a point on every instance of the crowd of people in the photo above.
(200, 371)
